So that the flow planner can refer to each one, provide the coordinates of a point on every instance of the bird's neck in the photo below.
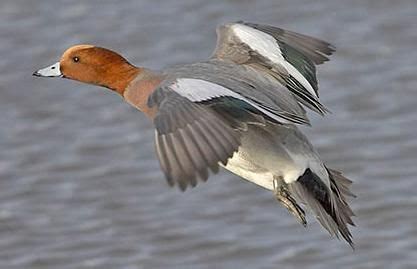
(140, 88)
(118, 77)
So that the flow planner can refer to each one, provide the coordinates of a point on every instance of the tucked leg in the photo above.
(284, 196)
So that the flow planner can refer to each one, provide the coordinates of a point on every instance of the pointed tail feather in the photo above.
(329, 205)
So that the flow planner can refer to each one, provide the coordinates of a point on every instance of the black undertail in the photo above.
(332, 201)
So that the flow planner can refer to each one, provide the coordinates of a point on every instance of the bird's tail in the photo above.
(330, 206)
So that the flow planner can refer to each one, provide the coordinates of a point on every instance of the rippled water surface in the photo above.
(80, 186)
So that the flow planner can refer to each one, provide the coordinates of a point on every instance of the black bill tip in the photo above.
(36, 74)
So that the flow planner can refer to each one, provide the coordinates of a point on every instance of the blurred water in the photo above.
(80, 186)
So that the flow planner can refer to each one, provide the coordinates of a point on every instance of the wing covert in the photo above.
(190, 138)
(288, 56)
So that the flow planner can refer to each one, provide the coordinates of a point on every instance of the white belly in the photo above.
(247, 170)
(273, 152)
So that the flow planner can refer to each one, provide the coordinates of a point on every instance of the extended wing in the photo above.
(288, 56)
(200, 117)
(190, 138)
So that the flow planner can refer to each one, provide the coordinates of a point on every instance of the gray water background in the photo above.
(80, 186)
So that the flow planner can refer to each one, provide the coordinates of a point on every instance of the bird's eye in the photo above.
(75, 59)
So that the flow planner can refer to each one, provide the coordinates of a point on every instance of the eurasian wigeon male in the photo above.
(239, 110)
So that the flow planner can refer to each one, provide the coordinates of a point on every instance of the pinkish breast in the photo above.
(139, 89)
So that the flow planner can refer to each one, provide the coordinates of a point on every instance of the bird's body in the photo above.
(239, 109)
(283, 152)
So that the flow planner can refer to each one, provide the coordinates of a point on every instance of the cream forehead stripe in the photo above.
(50, 71)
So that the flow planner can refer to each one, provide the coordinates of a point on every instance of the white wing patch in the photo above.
(267, 46)
(198, 90)
(260, 42)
